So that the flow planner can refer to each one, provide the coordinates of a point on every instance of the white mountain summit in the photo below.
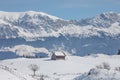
(32, 25)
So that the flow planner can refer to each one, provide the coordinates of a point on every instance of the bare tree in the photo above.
(42, 77)
(34, 68)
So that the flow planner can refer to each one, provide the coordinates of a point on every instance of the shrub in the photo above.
(99, 66)
(104, 65)
(117, 69)
(93, 71)
(42, 77)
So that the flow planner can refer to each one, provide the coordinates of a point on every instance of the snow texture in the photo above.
(73, 68)
(32, 25)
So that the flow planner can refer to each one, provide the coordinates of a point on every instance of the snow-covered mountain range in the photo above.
(40, 30)
(31, 25)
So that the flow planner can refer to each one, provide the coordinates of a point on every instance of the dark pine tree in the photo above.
(118, 52)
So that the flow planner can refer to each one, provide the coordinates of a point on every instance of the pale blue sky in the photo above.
(66, 9)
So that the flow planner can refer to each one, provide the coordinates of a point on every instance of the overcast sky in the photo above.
(66, 9)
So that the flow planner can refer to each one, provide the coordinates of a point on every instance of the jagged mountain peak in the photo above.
(110, 16)
(109, 13)
(28, 24)
(102, 20)
(31, 24)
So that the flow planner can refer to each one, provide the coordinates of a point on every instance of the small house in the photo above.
(58, 55)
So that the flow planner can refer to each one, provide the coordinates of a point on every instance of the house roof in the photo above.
(59, 53)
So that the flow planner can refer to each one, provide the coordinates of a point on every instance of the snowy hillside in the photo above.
(28, 25)
(34, 25)
(99, 34)
(73, 68)
(26, 51)
(4, 75)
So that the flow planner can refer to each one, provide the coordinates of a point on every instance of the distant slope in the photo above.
(99, 34)
(23, 51)
(35, 25)
(29, 25)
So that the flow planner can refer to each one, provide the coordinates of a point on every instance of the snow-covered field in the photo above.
(74, 67)
(4, 75)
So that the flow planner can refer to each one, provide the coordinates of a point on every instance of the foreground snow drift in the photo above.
(4, 75)
(100, 74)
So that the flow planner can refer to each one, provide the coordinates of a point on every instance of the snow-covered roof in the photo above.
(59, 53)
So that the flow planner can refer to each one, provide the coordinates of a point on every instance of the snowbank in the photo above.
(25, 50)
(100, 74)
